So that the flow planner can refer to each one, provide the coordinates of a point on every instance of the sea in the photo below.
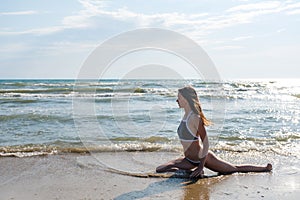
(48, 117)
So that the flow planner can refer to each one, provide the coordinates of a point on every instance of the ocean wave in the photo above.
(46, 85)
(35, 117)
(15, 84)
(150, 144)
(210, 92)
(88, 91)
(42, 150)
(18, 101)
(247, 84)
(35, 91)
(26, 150)
(78, 147)
(152, 139)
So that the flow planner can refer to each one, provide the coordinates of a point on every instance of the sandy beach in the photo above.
(75, 176)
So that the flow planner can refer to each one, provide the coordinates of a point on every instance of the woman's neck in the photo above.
(187, 110)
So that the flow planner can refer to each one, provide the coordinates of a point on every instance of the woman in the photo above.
(193, 137)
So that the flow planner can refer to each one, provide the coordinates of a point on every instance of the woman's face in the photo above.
(181, 101)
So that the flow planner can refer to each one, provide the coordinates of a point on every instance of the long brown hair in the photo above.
(190, 94)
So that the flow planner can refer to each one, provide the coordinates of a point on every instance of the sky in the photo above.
(244, 38)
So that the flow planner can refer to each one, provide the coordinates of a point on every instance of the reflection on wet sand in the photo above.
(201, 188)
(176, 188)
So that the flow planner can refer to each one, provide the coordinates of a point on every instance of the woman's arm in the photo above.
(201, 132)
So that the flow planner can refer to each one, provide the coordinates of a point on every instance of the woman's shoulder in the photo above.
(194, 117)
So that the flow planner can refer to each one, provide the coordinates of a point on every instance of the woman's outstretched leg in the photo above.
(218, 165)
(253, 168)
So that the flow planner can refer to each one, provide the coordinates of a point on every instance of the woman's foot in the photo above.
(269, 167)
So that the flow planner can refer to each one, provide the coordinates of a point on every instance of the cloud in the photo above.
(28, 12)
(77, 21)
(281, 30)
(292, 6)
(16, 47)
(293, 12)
(268, 7)
(36, 31)
(65, 47)
(242, 38)
(255, 6)
(228, 47)
(13, 50)
(82, 18)
(193, 24)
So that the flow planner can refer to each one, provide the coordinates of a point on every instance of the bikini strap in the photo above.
(187, 124)
(189, 115)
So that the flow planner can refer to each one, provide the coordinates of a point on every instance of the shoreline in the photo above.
(83, 176)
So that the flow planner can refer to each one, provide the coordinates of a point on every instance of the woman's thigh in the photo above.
(179, 163)
(216, 164)
(183, 163)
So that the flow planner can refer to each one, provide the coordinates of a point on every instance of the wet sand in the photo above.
(76, 176)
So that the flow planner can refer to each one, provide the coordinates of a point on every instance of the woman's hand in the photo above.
(197, 173)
